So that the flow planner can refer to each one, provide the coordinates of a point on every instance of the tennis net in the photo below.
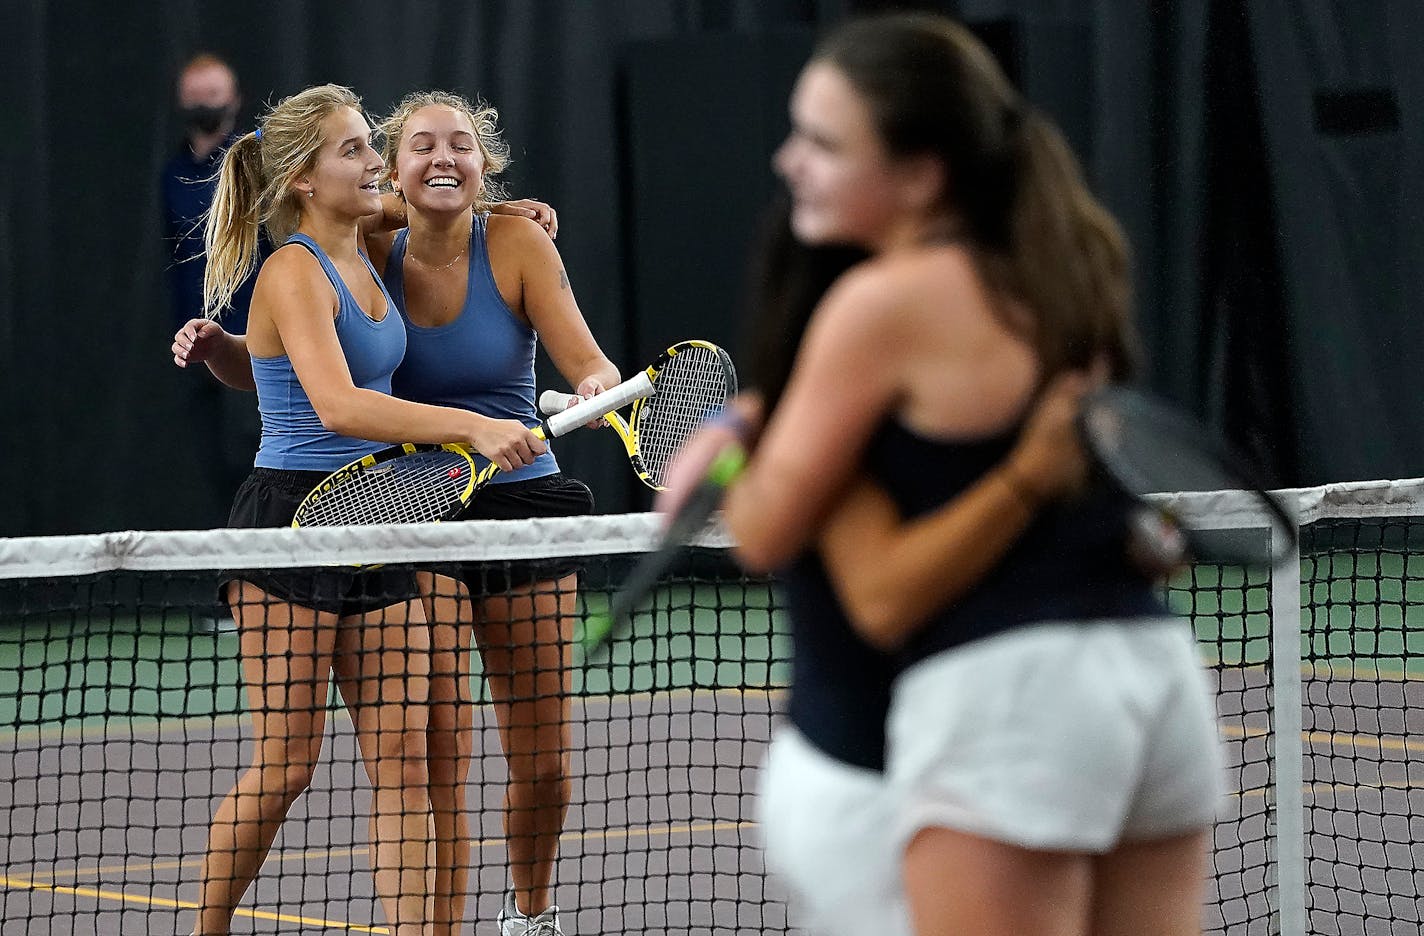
(123, 723)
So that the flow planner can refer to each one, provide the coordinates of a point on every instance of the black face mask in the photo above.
(203, 119)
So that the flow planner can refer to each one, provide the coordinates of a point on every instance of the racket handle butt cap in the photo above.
(552, 401)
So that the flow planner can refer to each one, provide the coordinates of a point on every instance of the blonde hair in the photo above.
(483, 118)
(254, 187)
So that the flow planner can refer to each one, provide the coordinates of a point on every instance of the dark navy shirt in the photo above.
(188, 185)
(840, 685)
(1071, 563)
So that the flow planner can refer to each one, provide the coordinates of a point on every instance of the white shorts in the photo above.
(827, 830)
(1058, 737)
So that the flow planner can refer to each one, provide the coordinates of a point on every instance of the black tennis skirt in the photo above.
(269, 498)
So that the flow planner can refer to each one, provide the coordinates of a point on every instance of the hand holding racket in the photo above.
(690, 381)
(420, 483)
(686, 521)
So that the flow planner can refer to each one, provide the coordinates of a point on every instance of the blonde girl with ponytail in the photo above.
(323, 341)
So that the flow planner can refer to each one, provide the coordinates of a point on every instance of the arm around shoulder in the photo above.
(549, 303)
(892, 575)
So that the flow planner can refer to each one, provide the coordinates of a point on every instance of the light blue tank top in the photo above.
(292, 434)
(482, 361)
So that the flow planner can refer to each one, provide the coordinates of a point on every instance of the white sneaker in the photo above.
(513, 923)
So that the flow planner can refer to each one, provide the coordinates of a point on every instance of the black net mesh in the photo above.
(125, 722)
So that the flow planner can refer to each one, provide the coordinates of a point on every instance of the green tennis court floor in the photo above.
(1361, 614)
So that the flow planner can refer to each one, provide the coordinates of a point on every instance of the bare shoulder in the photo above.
(858, 296)
(939, 286)
(856, 318)
(515, 231)
(520, 252)
(291, 270)
(892, 291)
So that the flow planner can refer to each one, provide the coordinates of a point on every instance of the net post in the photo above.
(1289, 753)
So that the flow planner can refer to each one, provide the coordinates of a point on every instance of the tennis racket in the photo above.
(419, 483)
(689, 520)
(691, 381)
(1145, 446)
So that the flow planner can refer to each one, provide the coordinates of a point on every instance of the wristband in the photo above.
(731, 419)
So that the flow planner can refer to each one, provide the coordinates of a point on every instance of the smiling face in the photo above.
(343, 179)
(439, 165)
(845, 187)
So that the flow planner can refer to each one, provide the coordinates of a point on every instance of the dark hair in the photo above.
(1039, 237)
(788, 279)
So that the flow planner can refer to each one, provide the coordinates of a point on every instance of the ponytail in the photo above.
(1017, 197)
(1067, 258)
(233, 225)
(255, 188)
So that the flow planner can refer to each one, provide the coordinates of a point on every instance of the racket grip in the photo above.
(601, 404)
(552, 401)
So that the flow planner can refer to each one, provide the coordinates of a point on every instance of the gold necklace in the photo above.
(429, 266)
(410, 252)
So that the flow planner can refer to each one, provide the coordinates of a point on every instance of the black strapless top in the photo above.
(1070, 564)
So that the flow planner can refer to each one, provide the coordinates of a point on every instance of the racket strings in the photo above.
(1148, 447)
(693, 386)
(1159, 453)
(421, 487)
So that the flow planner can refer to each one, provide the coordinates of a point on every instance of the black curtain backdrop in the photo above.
(1266, 158)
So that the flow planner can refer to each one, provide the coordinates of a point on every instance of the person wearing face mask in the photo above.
(226, 424)
(208, 102)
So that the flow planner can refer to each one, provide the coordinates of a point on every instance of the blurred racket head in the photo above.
(1146, 446)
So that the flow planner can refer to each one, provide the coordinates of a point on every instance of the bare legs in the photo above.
(960, 883)
(1152, 887)
(451, 744)
(525, 637)
(287, 655)
(384, 669)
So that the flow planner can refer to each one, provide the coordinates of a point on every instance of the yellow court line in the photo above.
(1322, 787)
(1334, 739)
(312, 854)
(98, 893)
(1377, 742)
(149, 725)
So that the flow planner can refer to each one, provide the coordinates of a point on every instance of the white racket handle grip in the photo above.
(552, 401)
(600, 404)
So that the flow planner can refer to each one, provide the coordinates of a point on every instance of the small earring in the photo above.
(311, 194)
